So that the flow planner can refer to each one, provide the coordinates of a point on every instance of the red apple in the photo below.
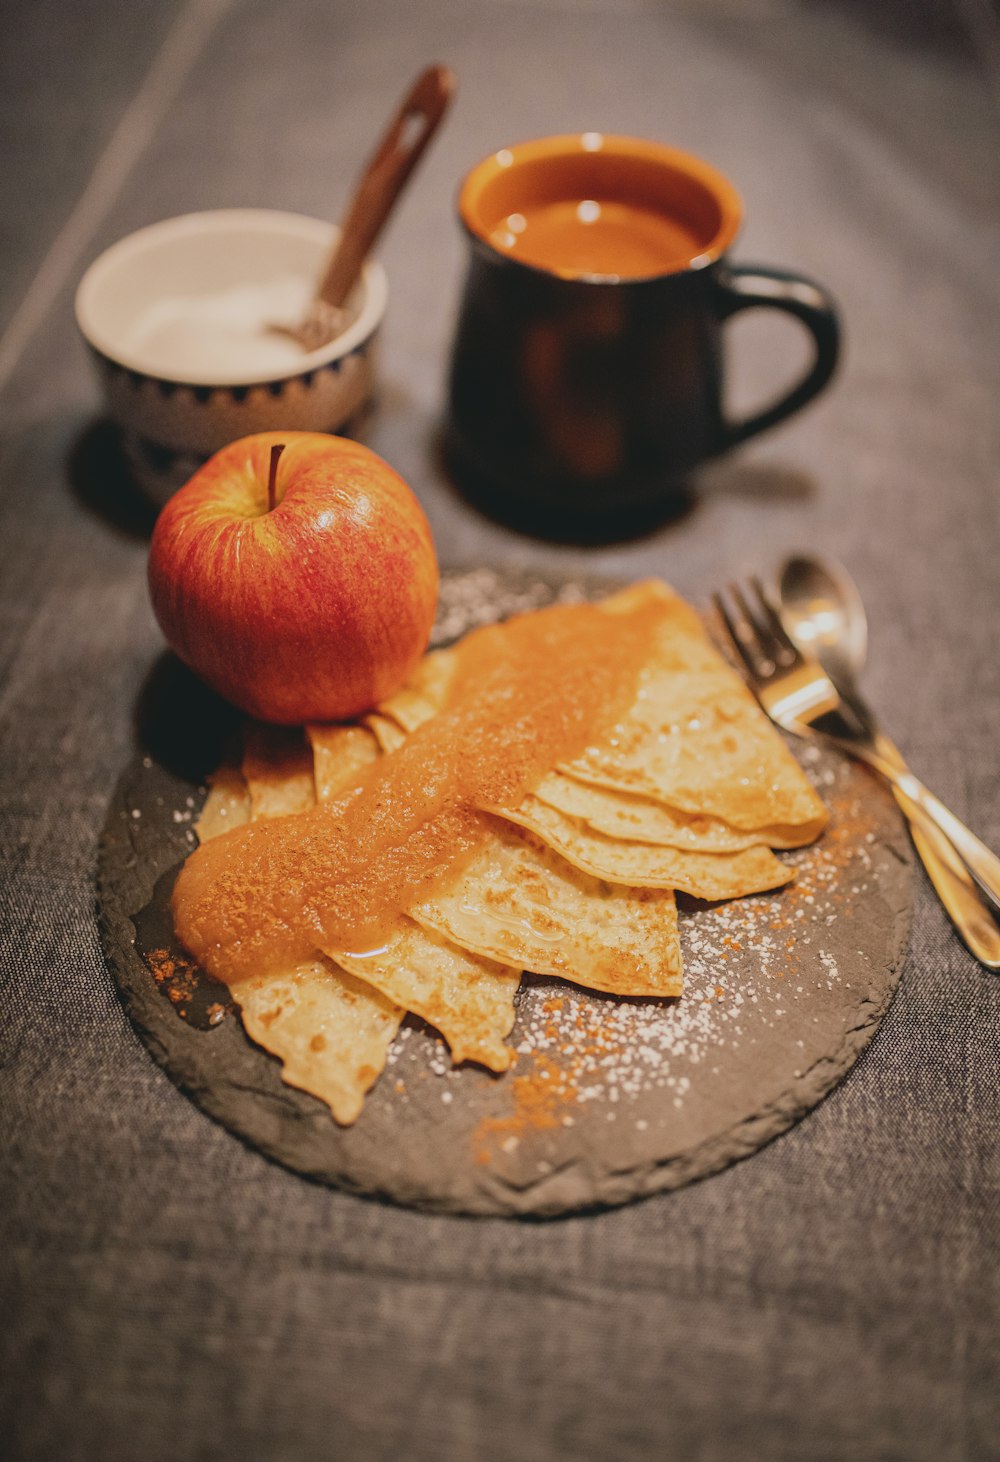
(309, 602)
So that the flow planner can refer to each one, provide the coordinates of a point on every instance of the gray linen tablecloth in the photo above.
(167, 1293)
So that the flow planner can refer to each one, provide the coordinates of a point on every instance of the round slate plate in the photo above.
(608, 1099)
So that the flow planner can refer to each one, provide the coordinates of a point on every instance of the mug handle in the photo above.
(751, 286)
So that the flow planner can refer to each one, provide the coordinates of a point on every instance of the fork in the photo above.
(795, 692)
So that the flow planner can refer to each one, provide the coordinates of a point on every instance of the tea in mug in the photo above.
(597, 238)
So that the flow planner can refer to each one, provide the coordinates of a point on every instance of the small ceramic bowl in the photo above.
(163, 310)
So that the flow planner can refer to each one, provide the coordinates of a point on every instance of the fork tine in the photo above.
(737, 635)
(788, 652)
(754, 633)
(757, 615)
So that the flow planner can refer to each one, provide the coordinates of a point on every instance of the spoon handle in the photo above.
(955, 889)
(958, 853)
(951, 879)
(383, 179)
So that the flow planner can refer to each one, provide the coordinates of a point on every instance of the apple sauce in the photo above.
(527, 695)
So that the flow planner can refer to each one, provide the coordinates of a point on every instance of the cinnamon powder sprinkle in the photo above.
(576, 1050)
(188, 989)
(176, 976)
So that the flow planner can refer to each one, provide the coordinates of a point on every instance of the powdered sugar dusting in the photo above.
(606, 1098)
(752, 967)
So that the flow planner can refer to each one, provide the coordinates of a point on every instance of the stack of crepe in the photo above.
(690, 791)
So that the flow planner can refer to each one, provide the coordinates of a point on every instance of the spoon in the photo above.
(822, 611)
(411, 129)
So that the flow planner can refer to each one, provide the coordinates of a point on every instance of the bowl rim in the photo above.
(225, 220)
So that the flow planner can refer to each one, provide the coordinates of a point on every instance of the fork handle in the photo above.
(961, 898)
(982, 864)
(951, 879)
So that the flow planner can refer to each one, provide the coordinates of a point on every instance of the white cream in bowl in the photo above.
(178, 319)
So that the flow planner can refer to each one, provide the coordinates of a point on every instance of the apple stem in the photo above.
(272, 476)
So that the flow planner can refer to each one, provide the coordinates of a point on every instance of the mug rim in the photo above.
(614, 144)
(222, 220)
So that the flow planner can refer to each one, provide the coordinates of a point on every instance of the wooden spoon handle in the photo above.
(385, 177)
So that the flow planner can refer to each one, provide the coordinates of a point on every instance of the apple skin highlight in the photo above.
(312, 611)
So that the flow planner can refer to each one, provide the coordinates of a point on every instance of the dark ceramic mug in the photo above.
(587, 369)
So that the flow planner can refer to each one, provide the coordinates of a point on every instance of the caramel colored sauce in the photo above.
(593, 237)
(528, 694)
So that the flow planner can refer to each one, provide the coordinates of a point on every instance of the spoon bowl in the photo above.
(822, 610)
(822, 613)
